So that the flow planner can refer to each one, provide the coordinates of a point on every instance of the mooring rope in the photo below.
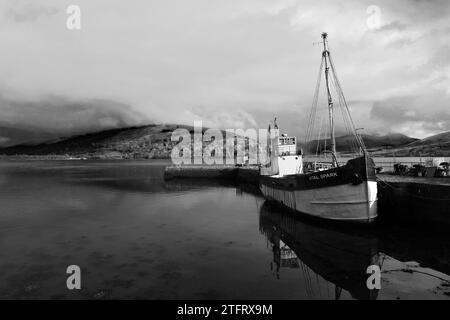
(409, 270)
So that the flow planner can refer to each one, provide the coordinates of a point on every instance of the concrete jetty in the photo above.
(408, 199)
(438, 181)
(200, 172)
(247, 174)
(414, 199)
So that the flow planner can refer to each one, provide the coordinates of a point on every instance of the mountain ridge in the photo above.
(347, 142)
(153, 141)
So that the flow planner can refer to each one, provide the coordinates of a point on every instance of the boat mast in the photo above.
(325, 56)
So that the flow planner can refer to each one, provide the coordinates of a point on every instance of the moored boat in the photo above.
(327, 190)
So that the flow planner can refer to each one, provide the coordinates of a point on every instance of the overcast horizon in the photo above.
(230, 64)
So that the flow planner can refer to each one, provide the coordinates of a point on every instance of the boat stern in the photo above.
(372, 200)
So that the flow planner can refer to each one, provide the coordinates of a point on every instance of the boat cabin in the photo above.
(285, 159)
(287, 145)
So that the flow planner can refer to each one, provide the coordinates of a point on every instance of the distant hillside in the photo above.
(151, 141)
(437, 145)
(438, 139)
(142, 142)
(10, 136)
(346, 143)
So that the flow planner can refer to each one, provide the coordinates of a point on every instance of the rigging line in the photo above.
(358, 138)
(307, 279)
(354, 145)
(328, 288)
(316, 98)
(312, 114)
(325, 138)
(382, 261)
(416, 271)
(346, 106)
(310, 280)
(318, 284)
(318, 137)
(311, 124)
(308, 285)
(304, 276)
(344, 117)
(341, 102)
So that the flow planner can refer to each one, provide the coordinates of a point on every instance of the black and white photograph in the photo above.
(224, 155)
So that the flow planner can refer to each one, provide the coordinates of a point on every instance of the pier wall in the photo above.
(402, 198)
(386, 162)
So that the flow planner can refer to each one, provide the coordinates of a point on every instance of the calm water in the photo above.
(136, 236)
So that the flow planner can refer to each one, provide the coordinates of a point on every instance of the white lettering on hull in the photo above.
(323, 176)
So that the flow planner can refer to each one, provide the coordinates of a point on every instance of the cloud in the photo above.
(394, 25)
(226, 119)
(60, 116)
(4, 141)
(417, 115)
(28, 11)
(230, 62)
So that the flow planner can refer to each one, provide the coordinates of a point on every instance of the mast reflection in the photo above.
(327, 257)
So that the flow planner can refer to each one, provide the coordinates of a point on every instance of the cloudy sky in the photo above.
(229, 63)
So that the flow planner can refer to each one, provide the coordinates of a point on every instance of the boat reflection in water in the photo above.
(333, 261)
(330, 260)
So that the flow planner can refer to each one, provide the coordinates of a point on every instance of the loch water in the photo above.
(136, 236)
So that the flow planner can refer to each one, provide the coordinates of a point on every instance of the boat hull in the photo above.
(347, 193)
